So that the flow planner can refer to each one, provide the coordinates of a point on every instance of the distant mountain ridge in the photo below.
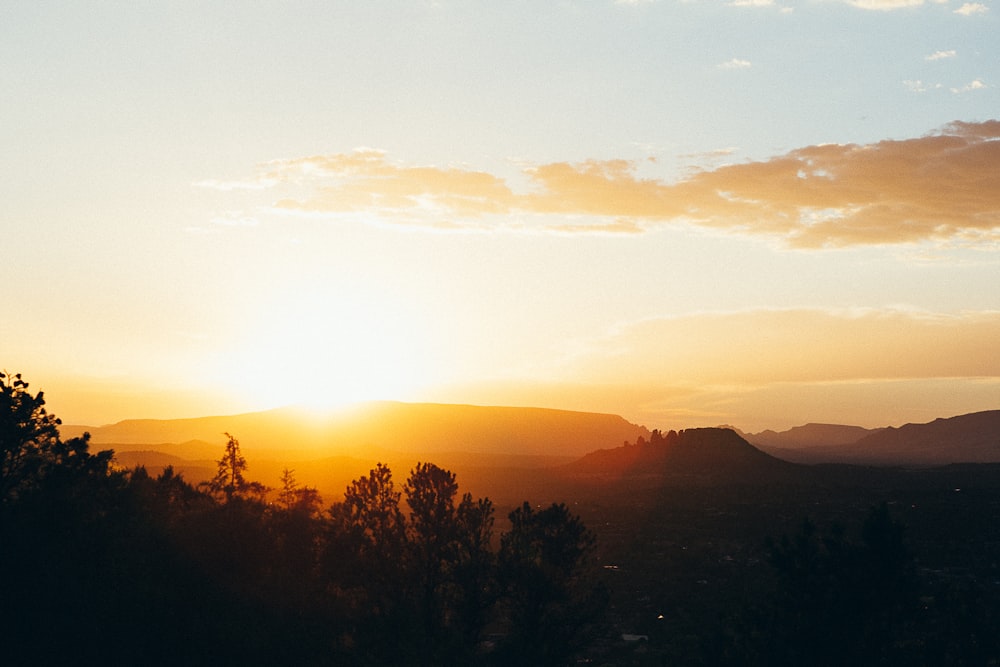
(484, 442)
(421, 428)
(969, 438)
(810, 435)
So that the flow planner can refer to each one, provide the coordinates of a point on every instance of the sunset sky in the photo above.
(758, 213)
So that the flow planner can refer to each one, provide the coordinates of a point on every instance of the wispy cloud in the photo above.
(970, 8)
(735, 63)
(941, 55)
(365, 181)
(751, 3)
(975, 84)
(716, 153)
(918, 86)
(885, 5)
(944, 186)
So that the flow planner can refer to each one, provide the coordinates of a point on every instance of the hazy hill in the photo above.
(418, 428)
(971, 438)
(154, 462)
(697, 453)
(809, 435)
(493, 450)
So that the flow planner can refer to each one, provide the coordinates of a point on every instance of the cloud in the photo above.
(365, 181)
(942, 187)
(941, 55)
(622, 226)
(918, 86)
(975, 84)
(885, 5)
(970, 8)
(735, 63)
(751, 3)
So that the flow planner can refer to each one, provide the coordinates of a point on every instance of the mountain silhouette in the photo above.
(511, 450)
(809, 435)
(696, 454)
(417, 428)
(970, 438)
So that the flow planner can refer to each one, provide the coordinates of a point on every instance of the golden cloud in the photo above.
(944, 186)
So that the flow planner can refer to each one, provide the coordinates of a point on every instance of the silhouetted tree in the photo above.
(286, 495)
(550, 598)
(363, 560)
(294, 530)
(370, 512)
(474, 569)
(31, 449)
(449, 558)
(303, 500)
(432, 535)
(56, 528)
(27, 432)
(229, 481)
(841, 600)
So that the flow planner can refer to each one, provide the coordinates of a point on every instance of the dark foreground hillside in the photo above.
(716, 553)
(705, 573)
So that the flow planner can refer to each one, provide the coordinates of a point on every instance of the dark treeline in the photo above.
(100, 565)
(106, 566)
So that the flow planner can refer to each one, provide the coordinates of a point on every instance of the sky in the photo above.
(689, 213)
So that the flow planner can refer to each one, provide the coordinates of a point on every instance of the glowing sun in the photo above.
(324, 352)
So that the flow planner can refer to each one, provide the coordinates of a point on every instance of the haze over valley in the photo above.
(495, 447)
